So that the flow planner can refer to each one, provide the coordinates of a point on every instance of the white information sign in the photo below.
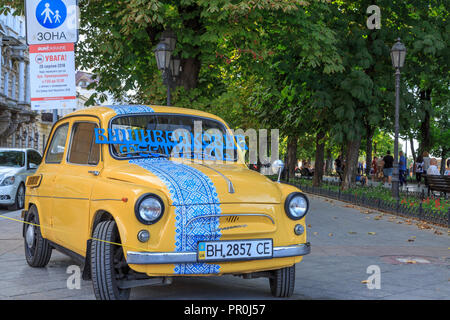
(51, 21)
(52, 76)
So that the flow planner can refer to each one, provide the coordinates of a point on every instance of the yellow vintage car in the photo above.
(111, 194)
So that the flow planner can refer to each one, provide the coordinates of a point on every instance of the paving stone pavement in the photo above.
(413, 260)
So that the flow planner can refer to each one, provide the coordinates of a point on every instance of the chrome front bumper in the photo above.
(191, 257)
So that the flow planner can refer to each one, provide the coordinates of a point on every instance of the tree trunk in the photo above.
(369, 138)
(189, 75)
(443, 157)
(343, 151)
(291, 156)
(329, 163)
(411, 141)
(318, 164)
(351, 163)
(284, 173)
(425, 135)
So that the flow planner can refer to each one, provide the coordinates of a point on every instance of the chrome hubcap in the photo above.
(29, 236)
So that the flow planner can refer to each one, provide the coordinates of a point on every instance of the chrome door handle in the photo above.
(95, 173)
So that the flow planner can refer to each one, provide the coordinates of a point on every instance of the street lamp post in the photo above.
(170, 66)
(163, 55)
(398, 54)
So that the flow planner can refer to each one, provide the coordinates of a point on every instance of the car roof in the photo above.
(105, 113)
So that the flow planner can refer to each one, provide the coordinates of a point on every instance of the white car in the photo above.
(15, 166)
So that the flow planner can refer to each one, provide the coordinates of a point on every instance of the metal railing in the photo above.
(439, 217)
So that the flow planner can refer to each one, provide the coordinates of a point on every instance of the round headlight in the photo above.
(296, 205)
(149, 209)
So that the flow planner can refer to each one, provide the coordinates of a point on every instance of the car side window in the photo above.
(55, 151)
(83, 149)
(33, 159)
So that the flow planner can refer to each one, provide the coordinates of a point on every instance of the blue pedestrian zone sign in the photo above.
(51, 13)
(51, 21)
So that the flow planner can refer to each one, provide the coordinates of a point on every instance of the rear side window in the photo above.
(55, 152)
(83, 149)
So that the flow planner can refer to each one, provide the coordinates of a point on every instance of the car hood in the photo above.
(189, 183)
(9, 171)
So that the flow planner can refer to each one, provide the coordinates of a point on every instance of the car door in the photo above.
(73, 185)
(53, 159)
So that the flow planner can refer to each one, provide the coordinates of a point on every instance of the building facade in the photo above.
(21, 127)
(17, 121)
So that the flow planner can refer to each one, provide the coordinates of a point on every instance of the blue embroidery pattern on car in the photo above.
(193, 195)
(130, 109)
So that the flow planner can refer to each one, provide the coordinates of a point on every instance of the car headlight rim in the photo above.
(139, 202)
(288, 201)
(8, 181)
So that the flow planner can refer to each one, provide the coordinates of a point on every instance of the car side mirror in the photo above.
(32, 166)
(277, 167)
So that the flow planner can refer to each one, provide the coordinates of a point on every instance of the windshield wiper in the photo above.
(155, 154)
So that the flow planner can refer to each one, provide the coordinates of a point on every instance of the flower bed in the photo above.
(411, 204)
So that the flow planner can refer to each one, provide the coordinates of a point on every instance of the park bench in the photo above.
(306, 173)
(437, 183)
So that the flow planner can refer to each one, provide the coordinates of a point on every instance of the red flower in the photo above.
(437, 203)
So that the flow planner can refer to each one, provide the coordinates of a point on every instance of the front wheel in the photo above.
(19, 200)
(108, 265)
(282, 282)
(37, 249)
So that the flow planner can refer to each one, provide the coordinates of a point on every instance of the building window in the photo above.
(13, 87)
(5, 84)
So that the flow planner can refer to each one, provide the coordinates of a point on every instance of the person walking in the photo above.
(374, 168)
(419, 169)
(426, 161)
(402, 168)
(339, 167)
(380, 165)
(388, 167)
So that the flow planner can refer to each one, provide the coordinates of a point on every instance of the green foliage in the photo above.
(296, 66)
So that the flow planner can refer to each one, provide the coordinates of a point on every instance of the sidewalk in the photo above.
(412, 257)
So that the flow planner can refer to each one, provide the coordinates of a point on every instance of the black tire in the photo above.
(19, 199)
(282, 282)
(108, 265)
(37, 249)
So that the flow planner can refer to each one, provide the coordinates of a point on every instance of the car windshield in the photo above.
(164, 135)
(12, 159)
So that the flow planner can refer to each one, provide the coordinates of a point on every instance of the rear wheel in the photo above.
(37, 249)
(282, 282)
(108, 264)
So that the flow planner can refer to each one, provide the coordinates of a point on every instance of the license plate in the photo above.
(235, 250)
